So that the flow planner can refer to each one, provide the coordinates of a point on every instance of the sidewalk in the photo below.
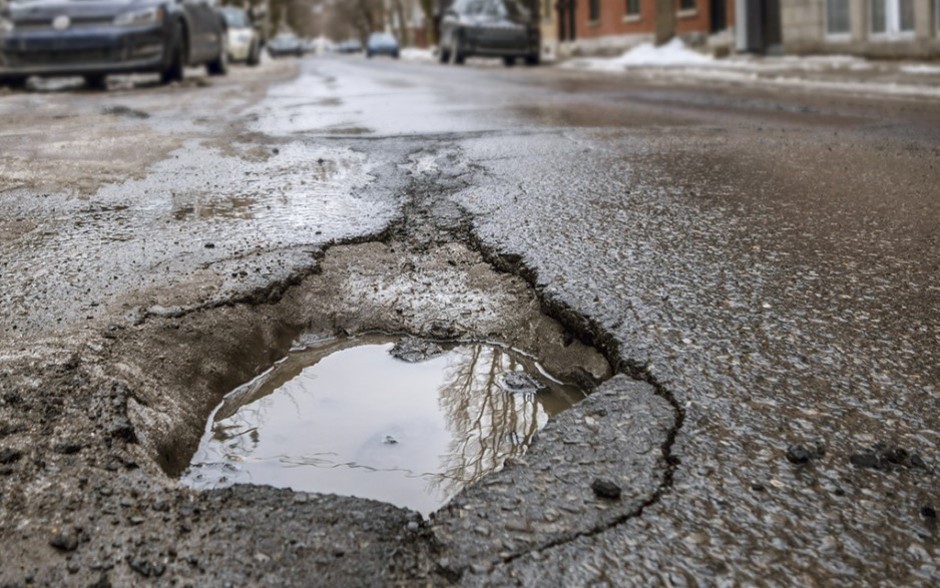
(826, 72)
(674, 61)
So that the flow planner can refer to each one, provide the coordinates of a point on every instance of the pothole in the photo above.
(401, 420)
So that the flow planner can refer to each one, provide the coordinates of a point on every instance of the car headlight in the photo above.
(138, 18)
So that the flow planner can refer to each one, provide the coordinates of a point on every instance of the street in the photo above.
(757, 266)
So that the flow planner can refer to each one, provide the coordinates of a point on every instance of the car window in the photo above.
(474, 7)
(236, 19)
(513, 9)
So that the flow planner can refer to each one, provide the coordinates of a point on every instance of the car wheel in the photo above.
(13, 82)
(444, 55)
(532, 60)
(97, 82)
(254, 55)
(509, 61)
(456, 54)
(173, 72)
(219, 67)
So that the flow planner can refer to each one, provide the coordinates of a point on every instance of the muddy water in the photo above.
(349, 417)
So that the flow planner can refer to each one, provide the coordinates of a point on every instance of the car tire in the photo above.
(13, 82)
(96, 82)
(509, 61)
(173, 72)
(456, 54)
(532, 60)
(254, 55)
(443, 56)
(219, 66)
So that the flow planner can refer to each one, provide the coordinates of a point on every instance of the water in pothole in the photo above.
(398, 420)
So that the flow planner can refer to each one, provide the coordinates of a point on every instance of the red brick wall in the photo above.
(612, 19)
(613, 12)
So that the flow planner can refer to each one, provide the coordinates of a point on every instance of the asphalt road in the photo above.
(760, 263)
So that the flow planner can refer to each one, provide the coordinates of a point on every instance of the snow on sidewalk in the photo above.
(829, 72)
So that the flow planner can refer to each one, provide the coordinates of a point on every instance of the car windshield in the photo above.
(513, 9)
(236, 19)
(285, 37)
(381, 39)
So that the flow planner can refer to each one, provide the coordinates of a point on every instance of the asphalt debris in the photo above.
(606, 489)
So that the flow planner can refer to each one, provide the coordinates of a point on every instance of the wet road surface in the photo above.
(766, 261)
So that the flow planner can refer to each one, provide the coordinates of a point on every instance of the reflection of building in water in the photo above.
(486, 423)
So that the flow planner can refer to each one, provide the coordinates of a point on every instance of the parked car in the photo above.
(489, 28)
(244, 42)
(349, 46)
(285, 44)
(382, 44)
(99, 38)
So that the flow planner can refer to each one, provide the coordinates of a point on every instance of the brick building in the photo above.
(878, 28)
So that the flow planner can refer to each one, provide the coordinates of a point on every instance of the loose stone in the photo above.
(605, 489)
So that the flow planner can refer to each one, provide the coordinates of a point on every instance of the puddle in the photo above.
(348, 417)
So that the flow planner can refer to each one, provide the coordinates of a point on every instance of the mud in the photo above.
(733, 259)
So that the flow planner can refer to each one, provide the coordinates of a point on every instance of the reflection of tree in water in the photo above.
(487, 424)
(238, 436)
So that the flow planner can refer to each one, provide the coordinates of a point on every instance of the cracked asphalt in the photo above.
(758, 266)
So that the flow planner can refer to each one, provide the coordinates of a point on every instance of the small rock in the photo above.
(918, 462)
(64, 541)
(144, 567)
(103, 582)
(799, 454)
(758, 487)
(866, 460)
(518, 383)
(928, 512)
(605, 489)
(412, 526)
(73, 567)
(482, 531)
(413, 350)
(9, 455)
(209, 245)
(389, 440)
(68, 447)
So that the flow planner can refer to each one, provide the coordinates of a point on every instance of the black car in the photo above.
(489, 28)
(94, 38)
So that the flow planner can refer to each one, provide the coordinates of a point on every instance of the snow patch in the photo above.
(416, 54)
(672, 54)
(921, 69)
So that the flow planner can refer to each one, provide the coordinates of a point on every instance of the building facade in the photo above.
(875, 28)
(610, 26)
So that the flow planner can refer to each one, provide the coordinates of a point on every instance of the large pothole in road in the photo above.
(401, 420)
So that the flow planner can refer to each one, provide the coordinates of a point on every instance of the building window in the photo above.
(633, 7)
(594, 8)
(837, 17)
(686, 5)
(891, 17)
